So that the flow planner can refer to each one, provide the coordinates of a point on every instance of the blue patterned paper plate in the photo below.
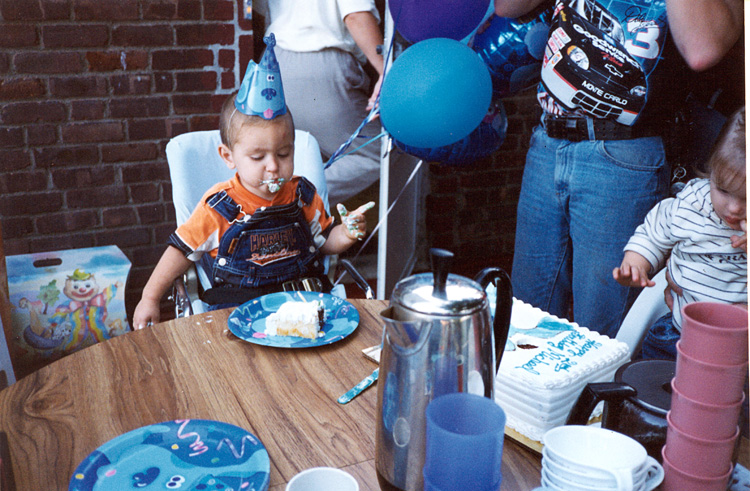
(248, 321)
(181, 454)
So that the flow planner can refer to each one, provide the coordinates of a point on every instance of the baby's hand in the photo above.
(633, 271)
(627, 275)
(355, 222)
(740, 241)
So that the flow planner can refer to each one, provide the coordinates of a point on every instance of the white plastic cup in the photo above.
(323, 479)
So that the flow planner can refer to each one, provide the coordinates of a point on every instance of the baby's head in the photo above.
(231, 121)
(726, 168)
(260, 150)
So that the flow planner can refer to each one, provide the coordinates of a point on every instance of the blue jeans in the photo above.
(580, 202)
(661, 339)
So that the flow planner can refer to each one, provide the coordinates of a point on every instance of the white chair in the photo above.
(195, 166)
(648, 307)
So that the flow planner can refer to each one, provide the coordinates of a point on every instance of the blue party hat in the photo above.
(261, 93)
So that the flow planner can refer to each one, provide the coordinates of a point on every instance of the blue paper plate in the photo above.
(248, 321)
(182, 454)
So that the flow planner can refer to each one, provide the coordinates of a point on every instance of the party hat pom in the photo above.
(261, 93)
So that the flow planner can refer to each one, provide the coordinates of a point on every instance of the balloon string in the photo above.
(339, 153)
(388, 211)
(374, 138)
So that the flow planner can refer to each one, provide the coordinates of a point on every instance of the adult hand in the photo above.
(373, 101)
(671, 287)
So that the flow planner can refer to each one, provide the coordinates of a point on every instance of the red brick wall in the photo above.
(90, 93)
(92, 90)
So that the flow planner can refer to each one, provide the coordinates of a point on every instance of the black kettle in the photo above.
(636, 403)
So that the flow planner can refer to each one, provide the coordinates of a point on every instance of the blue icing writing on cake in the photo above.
(563, 353)
(546, 364)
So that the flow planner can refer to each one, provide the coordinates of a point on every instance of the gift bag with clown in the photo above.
(65, 301)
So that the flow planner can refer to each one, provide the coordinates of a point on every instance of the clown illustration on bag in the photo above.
(77, 323)
(64, 301)
(84, 318)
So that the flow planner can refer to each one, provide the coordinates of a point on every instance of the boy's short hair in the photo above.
(231, 120)
(728, 157)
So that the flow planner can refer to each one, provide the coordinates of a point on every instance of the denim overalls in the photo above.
(262, 251)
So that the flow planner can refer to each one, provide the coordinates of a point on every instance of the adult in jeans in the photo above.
(591, 176)
(322, 47)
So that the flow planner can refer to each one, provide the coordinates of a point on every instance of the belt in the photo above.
(580, 129)
(239, 295)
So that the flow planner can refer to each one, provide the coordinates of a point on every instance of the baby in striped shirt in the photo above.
(700, 236)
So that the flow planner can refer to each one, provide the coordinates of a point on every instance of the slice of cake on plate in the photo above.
(546, 364)
(303, 319)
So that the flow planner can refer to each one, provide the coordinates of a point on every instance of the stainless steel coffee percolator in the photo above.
(439, 338)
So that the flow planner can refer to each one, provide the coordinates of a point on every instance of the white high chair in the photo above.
(648, 307)
(195, 166)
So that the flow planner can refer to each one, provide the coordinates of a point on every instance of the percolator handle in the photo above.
(503, 306)
(592, 393)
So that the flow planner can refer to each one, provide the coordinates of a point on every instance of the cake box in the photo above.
(64, 301)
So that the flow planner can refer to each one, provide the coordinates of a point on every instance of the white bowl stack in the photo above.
(588, 458)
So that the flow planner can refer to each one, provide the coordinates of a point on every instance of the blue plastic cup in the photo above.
(464, 443)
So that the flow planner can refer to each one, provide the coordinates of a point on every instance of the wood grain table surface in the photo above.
(195, 368)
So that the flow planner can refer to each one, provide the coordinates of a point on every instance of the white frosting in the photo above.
(546, 364)
(294, 319)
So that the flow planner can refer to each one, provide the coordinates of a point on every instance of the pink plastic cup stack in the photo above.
(707, 396)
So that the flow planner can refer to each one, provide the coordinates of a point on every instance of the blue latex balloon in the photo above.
(436, 93)
(480, 143)
(513, 50)
(418, 20)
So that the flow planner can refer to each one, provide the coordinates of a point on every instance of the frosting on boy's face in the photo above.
(274, 185)
(263, 156)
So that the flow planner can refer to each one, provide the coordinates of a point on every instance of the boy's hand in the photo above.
(146, 314)
(633, 271)
(740, 241)
(355, 222)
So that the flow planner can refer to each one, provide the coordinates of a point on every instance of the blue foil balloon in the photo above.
(480, 143)
(513, 49)
(436, 93)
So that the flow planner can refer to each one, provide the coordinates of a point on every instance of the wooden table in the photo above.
(195, 368)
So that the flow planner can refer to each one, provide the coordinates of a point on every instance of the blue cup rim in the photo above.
(495, 414)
